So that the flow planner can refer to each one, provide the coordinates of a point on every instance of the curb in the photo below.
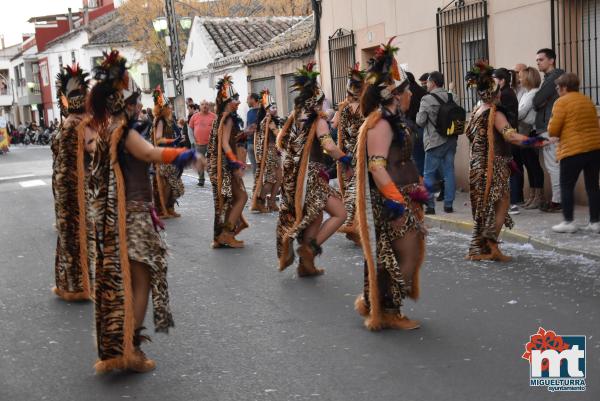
(512, 235)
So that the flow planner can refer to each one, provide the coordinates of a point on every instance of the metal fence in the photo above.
(462, 38)
(341, 58)
(575, 25)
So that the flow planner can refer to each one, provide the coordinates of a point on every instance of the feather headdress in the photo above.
(481, 78)
(266, 100)
(307, 87)
(385, 72)
(225, 90)
(159, 97)
(72, 85)
(356, 78)
(113, 70)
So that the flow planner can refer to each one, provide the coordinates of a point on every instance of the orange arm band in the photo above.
(231, 156)
(170, 154)
(389, 191)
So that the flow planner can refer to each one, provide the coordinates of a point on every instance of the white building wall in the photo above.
(201, 87)
(240, 82)
(63, 50)
(7, 100)
(84, 56)
(138, 67)
(200, 51)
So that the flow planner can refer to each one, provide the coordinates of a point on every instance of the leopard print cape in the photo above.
(72, 273)
(348, 129)
(114, 317)
(388, 279)
(483, 212)
(217, 165)
(268, 159)
(290, 225)
(167, 184)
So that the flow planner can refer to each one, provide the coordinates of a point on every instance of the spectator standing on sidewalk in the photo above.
(201, 124)
(575, 121)
(418, 92)
(543, 101)
(518, 87)
(439, 149)
(251, 125)
(530, 81)
(506, 81)
(423, 80)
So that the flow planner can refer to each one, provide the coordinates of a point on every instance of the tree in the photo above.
(139, 14)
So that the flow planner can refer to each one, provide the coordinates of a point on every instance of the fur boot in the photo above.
(361, 306)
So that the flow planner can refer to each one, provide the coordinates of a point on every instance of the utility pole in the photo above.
(176, 68)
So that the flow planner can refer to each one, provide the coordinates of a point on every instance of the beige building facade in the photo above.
(451, 36)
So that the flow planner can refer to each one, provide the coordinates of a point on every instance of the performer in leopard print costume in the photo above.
(72, 266)
(267, 180)
(490, 135)
(306, 193)
(386, 172)
(349, 123)
(225, 170)
(167, 182)
(131, 259)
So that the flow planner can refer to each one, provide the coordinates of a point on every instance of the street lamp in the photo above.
(186, 23)
(160, 24)
(167, 27)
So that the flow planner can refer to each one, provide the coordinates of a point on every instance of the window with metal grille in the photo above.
(462, 38)
(575, 27)
(258, 85)
(341, 58)
(290, 95)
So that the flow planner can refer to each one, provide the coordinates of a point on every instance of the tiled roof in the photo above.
(297, 41)
(105, 29)
(235, 35)
(108, 29)
(10, 51)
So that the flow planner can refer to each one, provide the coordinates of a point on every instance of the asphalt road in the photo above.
(244, 331)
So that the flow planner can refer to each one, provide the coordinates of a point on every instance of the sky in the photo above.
(15, 13)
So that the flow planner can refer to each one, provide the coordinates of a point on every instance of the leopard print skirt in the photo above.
(272, 166)
(349, 200)
(318, 192)
(173, 184)
(145, 245)
(392, 284)
(484, 214)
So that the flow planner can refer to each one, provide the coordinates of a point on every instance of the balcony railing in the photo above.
(31, 88)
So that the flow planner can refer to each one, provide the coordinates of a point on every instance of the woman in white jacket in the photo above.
(530, 80)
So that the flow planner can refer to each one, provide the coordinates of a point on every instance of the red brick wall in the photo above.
(46, 89)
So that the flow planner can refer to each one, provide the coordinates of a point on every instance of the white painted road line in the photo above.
(32, 183)
(14, 177)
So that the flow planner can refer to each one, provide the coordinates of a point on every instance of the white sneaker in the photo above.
(594, 227)
(514, 209)
(565, 227)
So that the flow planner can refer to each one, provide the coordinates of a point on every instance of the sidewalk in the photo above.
(531, 226)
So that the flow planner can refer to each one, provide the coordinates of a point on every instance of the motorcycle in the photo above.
(27, 137)
(44, 137)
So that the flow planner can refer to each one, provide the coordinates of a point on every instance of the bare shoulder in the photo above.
(322, 124)
(381, 127)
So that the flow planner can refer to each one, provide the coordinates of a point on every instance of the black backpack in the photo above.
(451, 117)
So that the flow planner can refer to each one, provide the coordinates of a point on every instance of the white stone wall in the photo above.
(84, 55)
